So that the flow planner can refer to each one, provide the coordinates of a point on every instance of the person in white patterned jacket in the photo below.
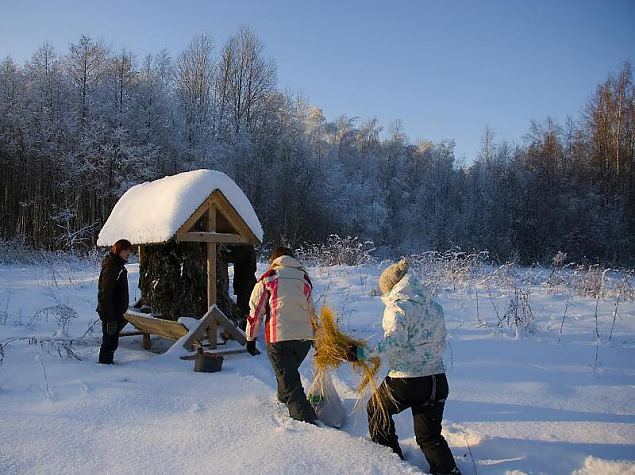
(413, 344)
(284, 295)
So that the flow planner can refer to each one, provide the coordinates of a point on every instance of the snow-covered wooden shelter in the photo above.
(201, 206)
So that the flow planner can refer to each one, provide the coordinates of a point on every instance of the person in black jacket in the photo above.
(112, 298)
(244, 259)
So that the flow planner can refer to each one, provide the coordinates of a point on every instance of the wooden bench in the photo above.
(149, 325)
(206, 327)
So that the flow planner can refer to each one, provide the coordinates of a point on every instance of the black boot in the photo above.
(106, 356)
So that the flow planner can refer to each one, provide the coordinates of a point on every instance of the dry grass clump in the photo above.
(332, 347)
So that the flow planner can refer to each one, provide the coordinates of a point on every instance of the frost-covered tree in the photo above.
(78, 128)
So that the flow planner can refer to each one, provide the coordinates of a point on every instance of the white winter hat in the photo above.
(392, 274)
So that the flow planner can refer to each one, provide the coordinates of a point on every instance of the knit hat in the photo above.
(391, 275)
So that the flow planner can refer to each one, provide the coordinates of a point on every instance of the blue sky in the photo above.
(447, 69)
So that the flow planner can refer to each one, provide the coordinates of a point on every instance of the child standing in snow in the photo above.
(113, 298)
(284, 295)
(414, 342)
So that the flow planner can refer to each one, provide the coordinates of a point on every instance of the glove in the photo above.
(356, 353)
(250, 346)
(361, 353)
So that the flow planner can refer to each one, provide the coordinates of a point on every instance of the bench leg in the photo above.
(212, 334)
(146, 341)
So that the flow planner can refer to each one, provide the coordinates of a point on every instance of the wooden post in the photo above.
(146, 341)
(211, 275)
(139, 281)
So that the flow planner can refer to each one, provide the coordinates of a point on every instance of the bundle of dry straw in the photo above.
(332, 347)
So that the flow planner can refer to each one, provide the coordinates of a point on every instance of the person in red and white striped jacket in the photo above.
(284, 297)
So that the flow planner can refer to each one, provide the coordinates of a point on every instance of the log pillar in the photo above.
(211, 275)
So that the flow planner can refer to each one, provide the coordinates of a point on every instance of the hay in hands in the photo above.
(332, 347)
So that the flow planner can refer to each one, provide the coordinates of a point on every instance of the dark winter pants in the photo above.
(286, 357)
(110, 338)
(242, 300)
(425, 397)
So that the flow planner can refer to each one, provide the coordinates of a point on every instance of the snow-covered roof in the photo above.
(152, 212)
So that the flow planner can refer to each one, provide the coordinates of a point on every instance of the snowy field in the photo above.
(520, 402)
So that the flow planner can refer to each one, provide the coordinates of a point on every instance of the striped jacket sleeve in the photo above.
(257, 306)
(312, 313)
(308, 293)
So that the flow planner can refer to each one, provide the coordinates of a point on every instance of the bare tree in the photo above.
(245, 78)
(195, 77)
(86, 64)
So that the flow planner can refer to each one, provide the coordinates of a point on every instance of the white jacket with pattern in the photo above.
(414, 331)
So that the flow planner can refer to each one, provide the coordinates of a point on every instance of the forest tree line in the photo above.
(80, 127)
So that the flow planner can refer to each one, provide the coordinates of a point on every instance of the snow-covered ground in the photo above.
(532, 404)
